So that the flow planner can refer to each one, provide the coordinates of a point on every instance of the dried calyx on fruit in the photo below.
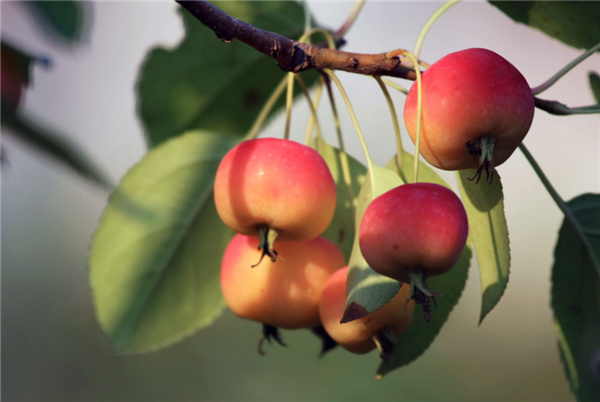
(477, 109)
(275, 189)
(412, 232)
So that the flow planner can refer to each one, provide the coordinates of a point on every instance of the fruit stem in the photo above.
(395, 86)
(429, 24)
(343, 156)
(313, 111)
(390, 103)
(542, 87)
(341, 32)
(288, 105)
(419, 112)
(354, 121)
(264, 113)
(386, 341)
(563, 207)
(267, 237)
(311, 121)
(328, 37)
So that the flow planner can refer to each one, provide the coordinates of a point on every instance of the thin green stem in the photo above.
(341, 32)
(390, 103)
(311, 120)
(562, 206)
(361, 138)
(343, 156)
(429, 24)
(541, 88)
(328, 37)
(264, 113)
(288, 105)
(395, 86)
(419, 112)
(313, 111)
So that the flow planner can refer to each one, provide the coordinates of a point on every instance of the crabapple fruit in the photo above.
(282, 294)
(412, 232)
(274, 188)
(477, 108)
(364, 334)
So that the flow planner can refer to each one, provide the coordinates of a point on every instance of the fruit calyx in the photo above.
(269, 332)
(385, 340)
(484, 148)
(267, 238)
(420, 292)
(327, 342)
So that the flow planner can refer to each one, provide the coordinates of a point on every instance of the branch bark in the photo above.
(293, 56)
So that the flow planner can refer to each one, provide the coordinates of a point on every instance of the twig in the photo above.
(294, 56)
(560, 109)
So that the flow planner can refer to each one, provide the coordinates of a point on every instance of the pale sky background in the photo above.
(49, 214)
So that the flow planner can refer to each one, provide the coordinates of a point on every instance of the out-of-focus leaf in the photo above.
(366, 290)
(207, 84)
(576, 298)
(487, 224)
(595, 85)
(64, 19)
(155, 279)
(341, 230)
(53, 144)
(574, 23)
(420, 335)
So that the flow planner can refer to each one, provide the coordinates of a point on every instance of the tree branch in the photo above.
(293, 56)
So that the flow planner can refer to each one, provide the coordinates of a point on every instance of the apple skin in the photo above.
(281, 184)
(422, 225)
(356, 336)
(466, 95)
(283, 294)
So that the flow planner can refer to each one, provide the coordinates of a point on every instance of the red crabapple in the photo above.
(377, 329)
(412, 232)
(477, 108)
(274, 188)
(282, 294)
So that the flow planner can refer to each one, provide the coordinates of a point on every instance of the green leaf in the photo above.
(595, 85)
(207, 84)
(574, 23)
(54, 145)
(366, 290)
(341, 230)
(420, 335)
(155, 278)
(576, 298)
(485, 208)
(62, 18)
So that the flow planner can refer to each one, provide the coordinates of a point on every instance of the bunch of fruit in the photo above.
(280, 196)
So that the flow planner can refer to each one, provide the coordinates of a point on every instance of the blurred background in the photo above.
(52, 346)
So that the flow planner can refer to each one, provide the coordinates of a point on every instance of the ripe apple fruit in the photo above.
(412, 232)
(282, 294)
(477, 108)
(377, 329)
(274, 188)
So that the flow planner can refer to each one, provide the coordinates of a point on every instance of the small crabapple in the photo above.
(282, 294)
(477, 108)
(412, 232)
(377, 329)
(274, 188)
